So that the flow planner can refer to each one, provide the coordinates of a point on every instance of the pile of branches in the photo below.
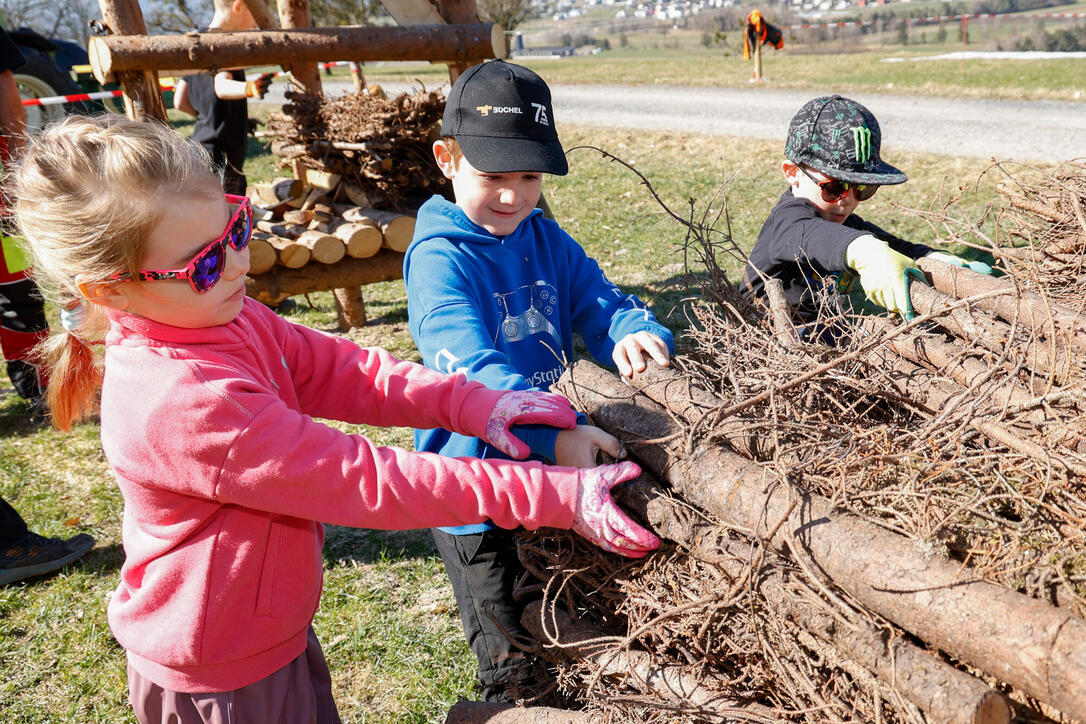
(1048, 225)
(382, 145)
(889, 528)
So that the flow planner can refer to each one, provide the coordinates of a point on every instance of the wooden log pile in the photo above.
(889, 529)
(379, 147)
(360, 165)
(305, 242)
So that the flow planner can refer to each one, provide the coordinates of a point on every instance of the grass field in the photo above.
(388, 620)
(1058, 79)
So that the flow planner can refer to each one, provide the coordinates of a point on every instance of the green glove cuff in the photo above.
(910, 275)
(955, 260)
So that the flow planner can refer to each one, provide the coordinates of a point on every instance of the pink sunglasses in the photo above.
(206, 267)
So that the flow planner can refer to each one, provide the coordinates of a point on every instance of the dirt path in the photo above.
(1010, 130)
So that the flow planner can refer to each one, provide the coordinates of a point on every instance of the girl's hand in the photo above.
(599, 519)
(525, 408)
(579, 447)
(629, 354)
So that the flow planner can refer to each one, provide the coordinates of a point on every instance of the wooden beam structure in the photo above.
(264, 17)
(445, 31)
(142, 97)
(456, 12)
(112, 55)
(295, 14)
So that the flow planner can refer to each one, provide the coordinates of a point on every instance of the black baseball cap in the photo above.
(840, 138)
(500, 115)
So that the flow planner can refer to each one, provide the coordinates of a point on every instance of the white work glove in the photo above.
(882, 272)
(977, 266)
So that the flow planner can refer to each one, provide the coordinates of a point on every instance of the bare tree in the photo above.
(330, 13)
(507, 13)
(69, 20)
(176, 16)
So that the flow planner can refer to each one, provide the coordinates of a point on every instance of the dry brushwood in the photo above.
(915, 479)
(378, 145)
(942, 692)
(1025, 642)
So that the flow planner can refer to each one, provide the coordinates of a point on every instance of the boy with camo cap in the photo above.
(813, 237)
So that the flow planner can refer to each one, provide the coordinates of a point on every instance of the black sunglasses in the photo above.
(833, 190)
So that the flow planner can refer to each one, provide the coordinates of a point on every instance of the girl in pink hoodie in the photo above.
(207, 403)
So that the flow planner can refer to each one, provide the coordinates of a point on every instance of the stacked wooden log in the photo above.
(890, 529)
(360, 166)
(380, 147)
(305, 241)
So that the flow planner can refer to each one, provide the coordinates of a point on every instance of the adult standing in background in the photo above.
(22, 326)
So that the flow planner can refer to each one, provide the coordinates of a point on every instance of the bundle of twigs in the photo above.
(1048, 221)
(954, 441)
(381, 145)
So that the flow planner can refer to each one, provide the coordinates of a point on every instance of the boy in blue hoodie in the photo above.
(495, 291)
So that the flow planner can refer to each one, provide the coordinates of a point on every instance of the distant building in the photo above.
(543, 51)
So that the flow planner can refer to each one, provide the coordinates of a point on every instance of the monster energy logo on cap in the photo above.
(840, 138)
(861, 139)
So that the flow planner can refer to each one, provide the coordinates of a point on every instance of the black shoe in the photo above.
(36, 554)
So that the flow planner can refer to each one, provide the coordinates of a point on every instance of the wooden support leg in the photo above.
(350, 308)
(358, 77)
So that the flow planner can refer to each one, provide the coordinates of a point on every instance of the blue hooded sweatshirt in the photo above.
(503, 310)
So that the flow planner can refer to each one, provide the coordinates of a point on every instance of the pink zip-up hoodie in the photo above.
(225, 475)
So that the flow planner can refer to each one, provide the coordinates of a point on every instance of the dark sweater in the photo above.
(805, 251)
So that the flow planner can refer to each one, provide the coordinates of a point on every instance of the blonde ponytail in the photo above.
(87, 194)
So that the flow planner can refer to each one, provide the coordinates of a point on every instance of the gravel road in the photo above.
(1009, 130)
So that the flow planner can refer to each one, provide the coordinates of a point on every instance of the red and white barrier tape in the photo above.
(77, 97)
(74, 98)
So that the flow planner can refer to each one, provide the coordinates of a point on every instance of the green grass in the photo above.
(798, 69)
(387, 621)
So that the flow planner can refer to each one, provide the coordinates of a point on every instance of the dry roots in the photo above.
(984, 465)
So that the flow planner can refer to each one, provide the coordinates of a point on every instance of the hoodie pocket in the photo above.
(265, 594)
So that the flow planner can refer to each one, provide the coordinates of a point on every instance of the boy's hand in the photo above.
(954, 260)
(525, 408)
(599, 519)
(629, 354)
(882, 272)
(581, 446)
(258, 86)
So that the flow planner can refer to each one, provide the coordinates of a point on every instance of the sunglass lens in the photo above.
(863, 193)
(834, 190)
(208, 268)
(241, 231)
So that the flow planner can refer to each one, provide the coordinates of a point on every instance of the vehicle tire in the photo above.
(41, 78)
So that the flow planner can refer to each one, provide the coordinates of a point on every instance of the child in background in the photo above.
(813, 235)
(207, 407)
(496, 291)
(219, 102)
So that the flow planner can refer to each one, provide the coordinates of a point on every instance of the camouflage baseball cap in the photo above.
(840, 138)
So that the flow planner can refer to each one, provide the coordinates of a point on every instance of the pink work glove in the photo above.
(525, 408)
(599, 519)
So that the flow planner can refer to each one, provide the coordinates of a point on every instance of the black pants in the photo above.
(232, 163)
(12, 525)
(483, 568)
(22, 327)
